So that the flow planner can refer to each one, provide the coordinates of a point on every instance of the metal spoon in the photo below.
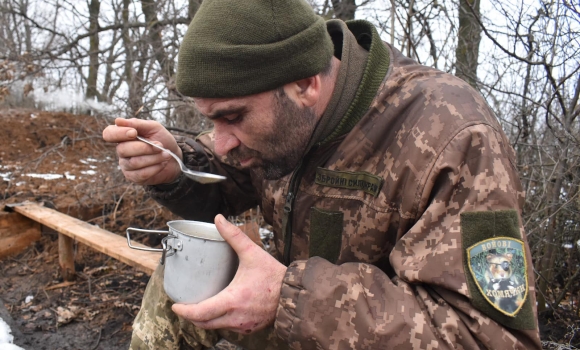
(201, 177)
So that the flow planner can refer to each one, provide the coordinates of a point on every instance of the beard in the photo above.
(285, 145)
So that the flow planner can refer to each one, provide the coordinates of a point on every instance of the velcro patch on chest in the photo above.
(352, 180)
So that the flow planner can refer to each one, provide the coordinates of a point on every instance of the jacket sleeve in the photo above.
(427, 303)
(202, 202)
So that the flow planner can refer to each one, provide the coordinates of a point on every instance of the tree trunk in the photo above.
(344, 9)
(468, 38)
(156, 40)
(546, 266)
(5, 32)
(27, 32)
(94, 9)
(133, 78)
(161, 56)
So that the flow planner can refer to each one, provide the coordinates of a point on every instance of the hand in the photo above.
(250, 302)
(140, 162)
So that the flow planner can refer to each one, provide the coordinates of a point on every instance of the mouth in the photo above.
(245, 163)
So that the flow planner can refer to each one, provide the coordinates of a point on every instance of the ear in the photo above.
(305, 92)
(509, 256)
(489, 257)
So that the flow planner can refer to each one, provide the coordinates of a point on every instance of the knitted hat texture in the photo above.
(242, 47)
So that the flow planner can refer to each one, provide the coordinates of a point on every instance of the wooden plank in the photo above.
(101, 240)
(66, 257)
(14, 244)
(17, 232)
(12, 224)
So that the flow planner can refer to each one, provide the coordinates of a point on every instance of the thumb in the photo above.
(235, 237)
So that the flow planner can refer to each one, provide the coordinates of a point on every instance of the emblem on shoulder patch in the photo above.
(498, 266)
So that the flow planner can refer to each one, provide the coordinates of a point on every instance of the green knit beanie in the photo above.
(241, 47)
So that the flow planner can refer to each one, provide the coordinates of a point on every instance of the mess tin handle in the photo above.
(147, 249)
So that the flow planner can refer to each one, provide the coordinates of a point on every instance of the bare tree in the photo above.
(94, 10)
(535, 83)
(344, 9)
(468, 39)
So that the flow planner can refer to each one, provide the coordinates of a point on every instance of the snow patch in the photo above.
(45, 176)
(66, 175)
(6, 337)
(265, 233)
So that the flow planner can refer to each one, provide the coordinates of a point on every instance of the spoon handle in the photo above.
(161, 148)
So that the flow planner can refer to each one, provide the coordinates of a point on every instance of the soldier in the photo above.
(387, 183)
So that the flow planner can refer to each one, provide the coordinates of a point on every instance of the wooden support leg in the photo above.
(66, 257)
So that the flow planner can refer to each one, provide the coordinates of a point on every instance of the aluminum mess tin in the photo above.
(198, 262)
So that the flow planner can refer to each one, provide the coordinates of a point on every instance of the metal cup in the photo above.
(198, 262)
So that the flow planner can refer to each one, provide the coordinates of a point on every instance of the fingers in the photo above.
(212, 314)
(140, 160)
(128, 129)
(137, 148)
(141, 163)
(205, 311)
(250, 301)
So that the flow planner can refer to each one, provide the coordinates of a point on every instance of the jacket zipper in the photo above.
(293, 187)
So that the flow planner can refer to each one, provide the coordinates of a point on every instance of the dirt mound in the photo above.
(60, 159)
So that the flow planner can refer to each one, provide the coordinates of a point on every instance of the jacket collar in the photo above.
(364, 63)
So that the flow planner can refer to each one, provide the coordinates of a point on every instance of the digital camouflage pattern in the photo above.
(398, 278)
(157, 327)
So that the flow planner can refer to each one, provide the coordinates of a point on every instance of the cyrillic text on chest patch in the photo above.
(359, 180)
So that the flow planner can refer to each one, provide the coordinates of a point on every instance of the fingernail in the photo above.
(221, 219)
(132, 133)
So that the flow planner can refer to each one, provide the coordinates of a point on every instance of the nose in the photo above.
(225, 140)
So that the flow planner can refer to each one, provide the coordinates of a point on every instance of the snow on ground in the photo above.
(6, 338)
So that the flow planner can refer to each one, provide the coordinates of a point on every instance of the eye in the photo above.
(233, 118)
(505, 266)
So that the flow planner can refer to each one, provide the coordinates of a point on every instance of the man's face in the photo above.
(267, 132)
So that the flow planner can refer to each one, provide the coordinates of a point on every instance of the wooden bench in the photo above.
(69, 230)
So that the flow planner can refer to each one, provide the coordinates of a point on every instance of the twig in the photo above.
(47, 296)
(115, 332)
(185, 131)
(119, 202)
(565, 289)
(98, 340)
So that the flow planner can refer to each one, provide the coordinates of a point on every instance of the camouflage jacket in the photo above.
(378, 220)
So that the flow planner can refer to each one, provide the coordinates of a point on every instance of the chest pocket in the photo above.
(326, 233)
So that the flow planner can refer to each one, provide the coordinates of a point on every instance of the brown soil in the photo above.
(96, 310)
